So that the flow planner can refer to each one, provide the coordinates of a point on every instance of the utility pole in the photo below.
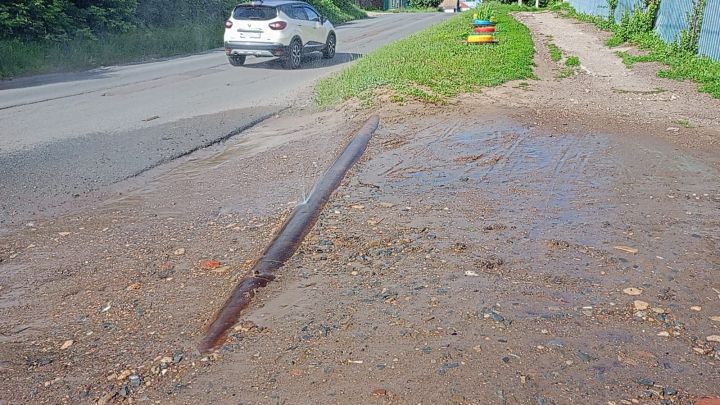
(537, 3)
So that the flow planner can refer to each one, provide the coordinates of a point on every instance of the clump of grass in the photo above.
(682, 123)
(435, 64)
(567, 71)
(555, 52)
(572, 61)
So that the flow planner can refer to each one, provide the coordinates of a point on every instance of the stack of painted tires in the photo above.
(483, 32)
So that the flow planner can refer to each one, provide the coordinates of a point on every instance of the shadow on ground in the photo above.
(311, 61)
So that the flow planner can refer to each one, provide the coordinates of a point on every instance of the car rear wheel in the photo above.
(236, 60)
(329, 51)
(294, 55)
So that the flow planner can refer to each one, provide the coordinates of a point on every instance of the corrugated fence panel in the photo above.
(672, 18)
(710, 32)
(628, 6)
(598, 8)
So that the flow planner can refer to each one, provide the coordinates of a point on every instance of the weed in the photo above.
(682, 123)
(567, 71)
(555, 52)
(572, 61)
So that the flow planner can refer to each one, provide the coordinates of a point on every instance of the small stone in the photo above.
(134, 286)
(632, 291)
(471, 273)
(458, 399)
(477, 348)
(713, 338)
(646, 382)
(357, 207)
(380, 392)
(664, 334)
(583, 356)
(66, 345)
(715, 318)
(124, 375)
(64, 233)
(696, 308)
(669, 391)
(641, 305)
(135, 380)
(179, 252)
(659, 310)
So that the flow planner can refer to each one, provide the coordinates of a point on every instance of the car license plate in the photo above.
(250, 34)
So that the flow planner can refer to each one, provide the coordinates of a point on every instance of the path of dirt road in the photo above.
(560, 248)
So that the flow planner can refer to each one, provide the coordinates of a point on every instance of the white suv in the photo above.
(287, 29)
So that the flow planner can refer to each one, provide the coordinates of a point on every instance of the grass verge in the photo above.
(682, 65)
(435, 64)
(24, 58)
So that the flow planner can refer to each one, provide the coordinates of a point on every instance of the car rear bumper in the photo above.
(254, 48)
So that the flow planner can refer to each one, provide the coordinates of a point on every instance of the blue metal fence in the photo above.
(672, 18)
(627, 6)
(710, 33)
(599, 8)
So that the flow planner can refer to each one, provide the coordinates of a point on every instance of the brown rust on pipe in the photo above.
(288, 239)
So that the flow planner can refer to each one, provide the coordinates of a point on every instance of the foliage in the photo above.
(24, 57)
(483, 12)
(689, 38)
(555, 52)
(425, 4)
(636, 22)
(572, 61)
(338, 11)
(64, 19)
(39, 36)
(435, 64)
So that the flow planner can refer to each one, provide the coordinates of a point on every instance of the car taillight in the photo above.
(278, 25)
(228, 24)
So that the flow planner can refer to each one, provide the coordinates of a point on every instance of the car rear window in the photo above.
(254, 13)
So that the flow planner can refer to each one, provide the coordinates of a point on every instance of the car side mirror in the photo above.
(322, 20)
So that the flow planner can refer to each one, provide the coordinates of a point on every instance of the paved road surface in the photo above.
(64, 135)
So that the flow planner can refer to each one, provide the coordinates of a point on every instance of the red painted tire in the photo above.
(484, 29)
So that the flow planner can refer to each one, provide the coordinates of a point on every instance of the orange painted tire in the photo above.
(484, 29)
(480, 39)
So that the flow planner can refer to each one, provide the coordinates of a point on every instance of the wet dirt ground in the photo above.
(549, 250)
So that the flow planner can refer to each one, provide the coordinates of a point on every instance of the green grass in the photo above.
(23, 58)
(683, 123)
(681, 65)
(435, 64)
(555, 52)
(572, 61)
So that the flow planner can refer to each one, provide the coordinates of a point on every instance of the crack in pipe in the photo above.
(288, 239)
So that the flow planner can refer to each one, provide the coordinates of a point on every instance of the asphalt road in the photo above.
(65, 135)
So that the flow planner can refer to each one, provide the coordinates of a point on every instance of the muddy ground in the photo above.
(558, 245)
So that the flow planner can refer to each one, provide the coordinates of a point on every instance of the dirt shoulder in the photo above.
(549, 242)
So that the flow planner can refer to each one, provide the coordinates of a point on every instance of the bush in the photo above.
(423, 4)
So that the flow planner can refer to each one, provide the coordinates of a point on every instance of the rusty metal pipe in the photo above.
(288, 239)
